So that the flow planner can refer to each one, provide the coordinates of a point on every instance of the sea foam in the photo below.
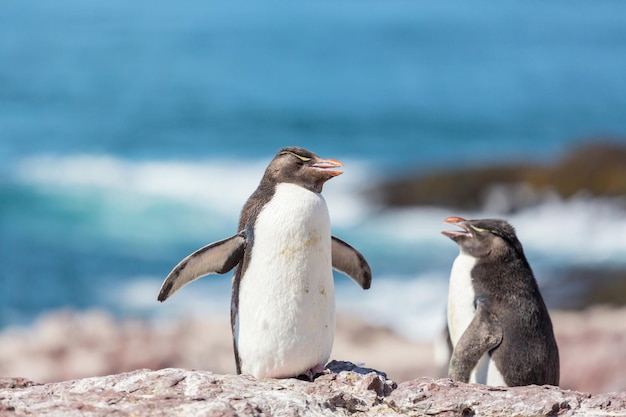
(218, 185)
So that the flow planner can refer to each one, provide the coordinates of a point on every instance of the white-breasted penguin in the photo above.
(283, 297)
(499, 325)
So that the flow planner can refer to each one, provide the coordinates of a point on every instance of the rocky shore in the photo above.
(345, 389)
(68, 345)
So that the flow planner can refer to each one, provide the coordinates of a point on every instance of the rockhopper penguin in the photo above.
(283, 299)
(499, 325)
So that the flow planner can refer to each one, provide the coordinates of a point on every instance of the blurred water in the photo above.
(131, 134)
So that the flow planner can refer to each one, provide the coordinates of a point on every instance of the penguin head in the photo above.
(301, 167)
(483, 237)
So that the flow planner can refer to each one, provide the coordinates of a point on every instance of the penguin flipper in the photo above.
(217, 257)
(348, 260)
(483, 334)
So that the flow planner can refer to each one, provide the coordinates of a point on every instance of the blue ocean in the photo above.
(131, 134)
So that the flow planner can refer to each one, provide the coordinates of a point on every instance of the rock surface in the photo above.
(346, 390)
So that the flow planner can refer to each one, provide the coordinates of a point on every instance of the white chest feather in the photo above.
(486, 372)
(286, 314)
(461, 311)
(460, 296)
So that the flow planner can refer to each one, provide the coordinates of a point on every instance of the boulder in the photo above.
(346, 389)
(596, 169)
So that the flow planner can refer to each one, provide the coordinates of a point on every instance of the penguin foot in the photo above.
(310, 374)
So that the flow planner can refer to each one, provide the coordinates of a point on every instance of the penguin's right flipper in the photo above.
(483, 334)
(217, 257)
(348, 260)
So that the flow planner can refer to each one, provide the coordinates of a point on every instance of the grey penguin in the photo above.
(499, 325)
(283, 302)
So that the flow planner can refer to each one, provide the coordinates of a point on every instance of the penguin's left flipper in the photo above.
(348, 260)
(215, 258)
(483, 334)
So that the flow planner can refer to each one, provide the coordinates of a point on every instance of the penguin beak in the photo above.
(459, 222)
(326, 165)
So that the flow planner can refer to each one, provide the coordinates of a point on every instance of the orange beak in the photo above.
(326, 165)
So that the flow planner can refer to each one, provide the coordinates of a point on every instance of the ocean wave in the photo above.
(212, 192)
(155, 212)
(220, 186)
(579, 230)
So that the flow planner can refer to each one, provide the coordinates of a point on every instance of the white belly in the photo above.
(460, 296)
(461, 313)
(286, 315)
(487, 373)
